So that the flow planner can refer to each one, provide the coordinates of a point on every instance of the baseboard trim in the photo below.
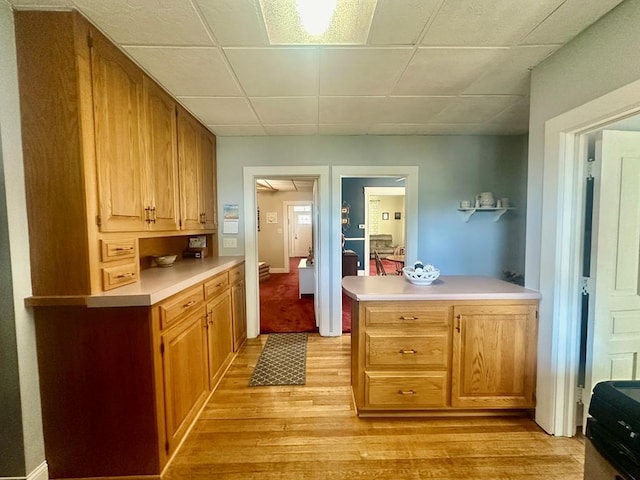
(41, 472)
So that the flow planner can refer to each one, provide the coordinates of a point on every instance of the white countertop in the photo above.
(155, 285)
(456, 287)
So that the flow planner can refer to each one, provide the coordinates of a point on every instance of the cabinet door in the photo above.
(190, 168)
(209, 200)
(161, 166)
(117, 92)
(494, 356)
(239, 315)
(219, 333)
(185, 375)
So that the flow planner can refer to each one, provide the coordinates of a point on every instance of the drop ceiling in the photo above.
(429, 67)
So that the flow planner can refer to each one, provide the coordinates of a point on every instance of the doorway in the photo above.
(560, 253)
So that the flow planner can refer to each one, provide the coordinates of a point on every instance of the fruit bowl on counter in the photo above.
(164, 260)
(421, 274)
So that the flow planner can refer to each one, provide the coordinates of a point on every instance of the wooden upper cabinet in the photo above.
(494, 355)
(209, 201)
(197, 171)
(190, 168)
(161, 165)
(117, 95)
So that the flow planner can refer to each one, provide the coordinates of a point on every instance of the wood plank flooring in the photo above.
(312, 432)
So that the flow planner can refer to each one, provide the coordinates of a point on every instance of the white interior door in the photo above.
(300, 230)
(615, 329)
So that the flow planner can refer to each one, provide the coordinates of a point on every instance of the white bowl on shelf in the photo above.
(164, 260)
(421, 275)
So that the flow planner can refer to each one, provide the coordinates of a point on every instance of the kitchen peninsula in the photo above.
(462, 345)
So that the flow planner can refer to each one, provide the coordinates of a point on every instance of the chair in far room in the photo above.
(379, 266)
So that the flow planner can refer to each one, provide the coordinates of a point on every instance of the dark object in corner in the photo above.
(513, 277)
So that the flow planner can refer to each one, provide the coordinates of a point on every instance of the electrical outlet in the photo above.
(361, 226)
(229, 242)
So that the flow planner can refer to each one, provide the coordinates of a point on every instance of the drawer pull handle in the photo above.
(402, 317)
(406, 392)
(123, 249)
(190, 303)
(408, 352)
(126, 275)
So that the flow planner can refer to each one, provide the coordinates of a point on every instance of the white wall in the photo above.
(451, 168)
(11, 144)
(600, 60)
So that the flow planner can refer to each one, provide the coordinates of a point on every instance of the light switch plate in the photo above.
(361, 226)
(229, 242)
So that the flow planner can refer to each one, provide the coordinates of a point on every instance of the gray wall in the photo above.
(21, 451)
(451, 168)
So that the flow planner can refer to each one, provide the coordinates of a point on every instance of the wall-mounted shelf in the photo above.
(497, 212)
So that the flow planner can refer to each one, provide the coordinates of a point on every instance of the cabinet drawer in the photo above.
(119, 275)
(410, 391)
(429, 350)
(181, 305)
(118, 249)
(405, 314)
(216, 285)
(236, 274)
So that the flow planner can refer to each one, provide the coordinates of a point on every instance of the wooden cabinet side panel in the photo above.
(97, 391)
(239, 315)
(53, 152)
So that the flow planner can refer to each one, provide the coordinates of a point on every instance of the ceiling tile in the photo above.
(400, 22)
(220, 111)
(413, 109)
(487, 22)
(571, 18)
(235, 22)
(272, 72)
(148, 22)
(187, 71)
(361, 71)
(515, 114)
(237, 130)
(353, 110)
(445, 71)
(33, 4)
(291, 129)
(474, 109)
(286, 110)
(511, 75)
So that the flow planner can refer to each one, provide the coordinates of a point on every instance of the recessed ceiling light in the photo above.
(346, 22)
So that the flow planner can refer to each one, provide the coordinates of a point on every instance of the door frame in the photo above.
(324, 217)
(560, 249)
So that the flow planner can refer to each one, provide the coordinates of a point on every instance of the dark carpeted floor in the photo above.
(281, 311)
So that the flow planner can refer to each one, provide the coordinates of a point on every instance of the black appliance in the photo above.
(613, 428)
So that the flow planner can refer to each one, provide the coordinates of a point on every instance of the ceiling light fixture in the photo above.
(316, 15)
(317, 22)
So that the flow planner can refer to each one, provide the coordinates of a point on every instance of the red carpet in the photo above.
(281, 311)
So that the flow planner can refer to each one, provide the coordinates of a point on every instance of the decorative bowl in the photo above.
(421, 274)
(164, 260)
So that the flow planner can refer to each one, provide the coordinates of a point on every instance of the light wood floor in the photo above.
(312, 432)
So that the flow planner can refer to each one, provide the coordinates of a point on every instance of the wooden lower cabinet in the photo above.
(439, 356)
(219, 333)
(238, 295)
(184, 366)
(121, 386)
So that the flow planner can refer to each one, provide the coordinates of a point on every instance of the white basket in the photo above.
(421, 276)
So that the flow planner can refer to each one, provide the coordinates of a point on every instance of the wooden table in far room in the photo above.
(398, 260)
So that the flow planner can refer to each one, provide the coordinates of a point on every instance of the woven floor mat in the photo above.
(283, 361)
